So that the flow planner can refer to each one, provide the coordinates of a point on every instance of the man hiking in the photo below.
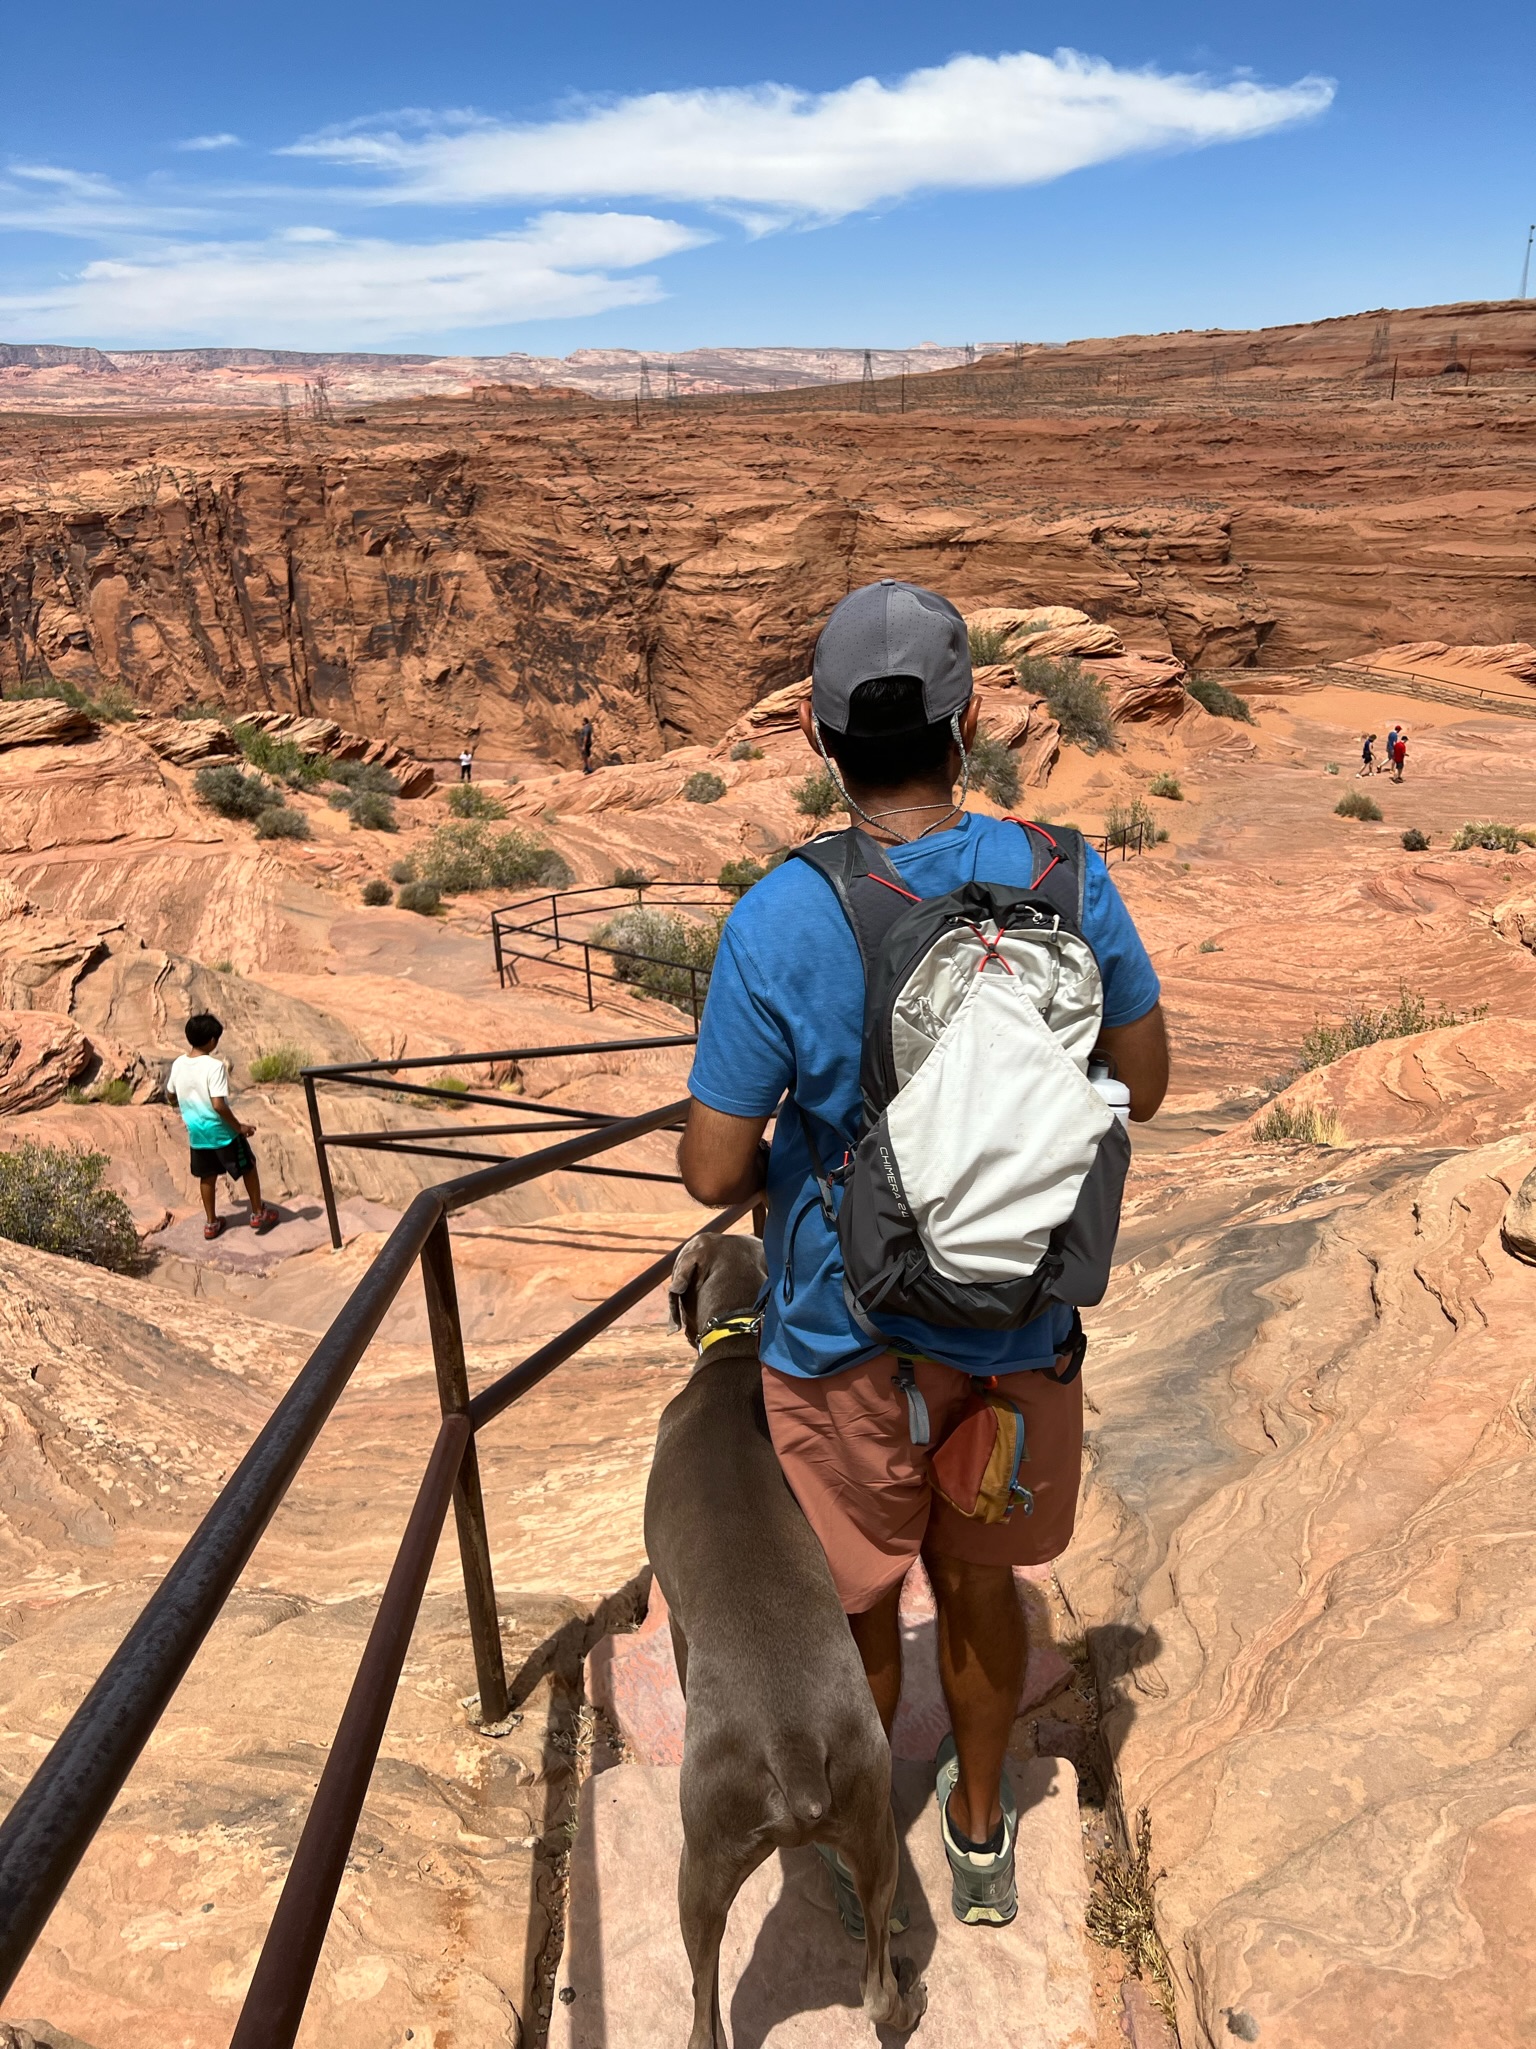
(466, 764)
(1399, 753)
(1367, 754)
(584, 742)
(860, 1395)
(198, 1084)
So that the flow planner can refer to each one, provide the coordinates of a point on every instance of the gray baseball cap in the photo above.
(891, 629)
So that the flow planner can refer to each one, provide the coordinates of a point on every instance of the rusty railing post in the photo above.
(322, 1163)
(468, 1502)
(554, 906)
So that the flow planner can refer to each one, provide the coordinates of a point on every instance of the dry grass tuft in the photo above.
(1122, 1912)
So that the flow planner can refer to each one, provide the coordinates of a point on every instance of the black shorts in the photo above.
(210, 1161)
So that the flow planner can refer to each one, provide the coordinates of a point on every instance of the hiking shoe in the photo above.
(846, 1894)
(983, 1889)
(215, 1229)
(264, 1218)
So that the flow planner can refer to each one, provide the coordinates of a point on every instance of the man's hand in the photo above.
(718, 1156)
(246, 1130)
(1139, 1053)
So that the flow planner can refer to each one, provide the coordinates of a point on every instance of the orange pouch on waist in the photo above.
(978, 1467)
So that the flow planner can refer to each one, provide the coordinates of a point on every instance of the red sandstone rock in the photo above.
(40, 1055)
(39, 721)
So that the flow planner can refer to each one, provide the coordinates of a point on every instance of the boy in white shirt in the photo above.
(198, 1084)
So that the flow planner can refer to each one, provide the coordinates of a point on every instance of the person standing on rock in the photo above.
(198, 1084)
(861, 1401)
(1387, 754)
(466, 764)
(584, 740)
(1367, 755)
(1399, 754)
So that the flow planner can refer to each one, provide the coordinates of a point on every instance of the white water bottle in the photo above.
(1115, 1093)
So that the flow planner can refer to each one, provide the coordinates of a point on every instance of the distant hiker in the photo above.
(584, 741)
(1399, 754)
(198, 1084)
(466, 764)
(924, 1267)
(1386, 764)
(1368, 755)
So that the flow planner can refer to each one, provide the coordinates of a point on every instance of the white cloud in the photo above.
(50, 199)
(340, 293)
(223, 140)
(1018, 119)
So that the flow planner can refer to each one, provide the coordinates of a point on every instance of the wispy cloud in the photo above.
(51, 199)
(223, 140)
(335, 292)
(1018, 119)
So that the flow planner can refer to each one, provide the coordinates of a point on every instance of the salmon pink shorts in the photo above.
(845, 1445)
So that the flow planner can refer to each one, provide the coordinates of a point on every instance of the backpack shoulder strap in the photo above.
(1060, 873)
(870, 893)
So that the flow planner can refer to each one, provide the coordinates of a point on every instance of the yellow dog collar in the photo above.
(731, 1327)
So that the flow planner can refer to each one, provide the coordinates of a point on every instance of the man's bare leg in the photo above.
(253, 1192)
(878, 1636)
(983, 1645)
(209, 1191)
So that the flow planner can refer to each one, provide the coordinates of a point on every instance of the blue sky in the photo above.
(474, 178)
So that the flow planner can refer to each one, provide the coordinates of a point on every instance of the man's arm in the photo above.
(1139, 1052)
(221, 1105)
(720, 1156)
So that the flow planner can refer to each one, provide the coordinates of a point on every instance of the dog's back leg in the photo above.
(870, 1848)
(708, 1880)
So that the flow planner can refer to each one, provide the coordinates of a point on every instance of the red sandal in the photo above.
(264, 1218)
(215, 1229)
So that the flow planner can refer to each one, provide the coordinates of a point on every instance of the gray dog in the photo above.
(784, 1746)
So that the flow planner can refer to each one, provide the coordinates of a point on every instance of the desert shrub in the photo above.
(1218, 700)
(1210, 946)
(1410, 1014)
(377, 892)
(743, 750)
(988, 644)
(282, 823)
(362, 775)
(468, 800)
(51, 1197)
(1078, 702)
(284, 759)
(233, 794)
(1414, 841)
(1167, 786)
(652, 951)
(818, 796)
(466, 857)
(372, 811)
(1132, 825)
(404, 871)
(995, 769)
(1356, 804)
(1330, 768)
(422, 897)
(1310, 1126)
(703, 787)
(453, 1085)
(1498, 839)
(112, 707)
(739, 875)
(117, 1093)
(630, 878)
(281, 1063)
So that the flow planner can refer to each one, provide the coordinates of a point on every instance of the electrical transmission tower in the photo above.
(867, 403)
(970, 354)
(672, 384)
(644, 392)
(285, 409)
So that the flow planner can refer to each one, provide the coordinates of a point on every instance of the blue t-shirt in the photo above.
(785, 1014)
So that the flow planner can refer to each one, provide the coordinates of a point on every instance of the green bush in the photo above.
(468, 800)
(377, 892)
(1497, 839)
(995, 769)
(113, 707)
(1410, 1014)
(1414, 841)
(404, 871)
(739, 875)
(372, 811)
(1330, 768)
(362, 775)
(423, 897)
(653, 949)
(452, 1084)
(459, 858)
(1167, 786)
(117, 1093)
(1218, 700)
(818, 796)
(280, 1063)
(703, 787)
(1356, 804)
(1078, 702)
(284, 759)
(743, 750)
(51, 1197)
(281, 823)
(630, 878)
(1130, 825)
(233, 794)
(1309, 1126)
(988, 644)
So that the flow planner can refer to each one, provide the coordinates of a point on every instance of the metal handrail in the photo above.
(58, 1813)
(505, 930)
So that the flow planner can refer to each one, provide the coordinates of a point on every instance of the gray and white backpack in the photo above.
(986, 1181)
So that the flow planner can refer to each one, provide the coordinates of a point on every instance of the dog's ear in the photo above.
(688, 1270)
